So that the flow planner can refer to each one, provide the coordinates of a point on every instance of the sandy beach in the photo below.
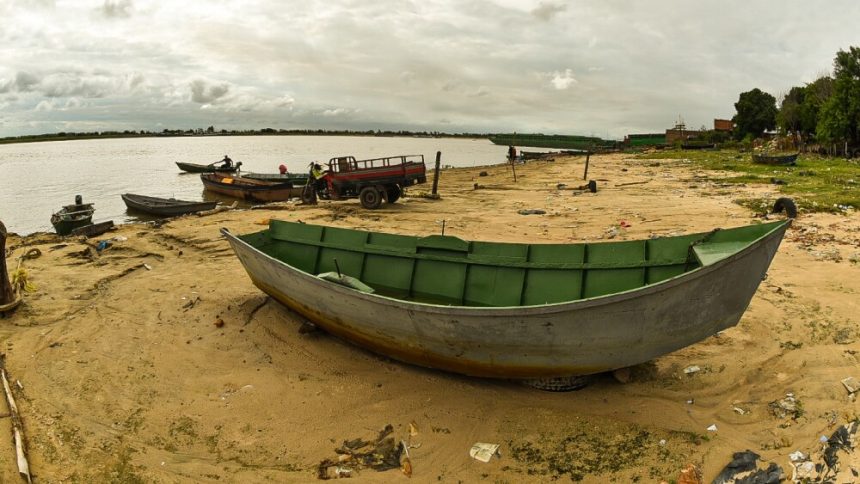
(157, 360)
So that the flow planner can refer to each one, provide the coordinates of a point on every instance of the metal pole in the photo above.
(436, 172)
(587, 156)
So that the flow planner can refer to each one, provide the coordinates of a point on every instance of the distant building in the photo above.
(724, 125)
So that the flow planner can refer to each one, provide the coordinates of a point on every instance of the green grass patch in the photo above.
(817, 184)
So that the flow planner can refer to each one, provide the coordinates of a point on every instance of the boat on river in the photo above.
(508, 310)
(250, 189)
(775, 159)
(210, 168)
(71, 217)
(164, 207)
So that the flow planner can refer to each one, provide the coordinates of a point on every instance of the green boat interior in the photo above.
(447, 270)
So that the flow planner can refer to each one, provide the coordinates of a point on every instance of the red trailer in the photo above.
(372, 181)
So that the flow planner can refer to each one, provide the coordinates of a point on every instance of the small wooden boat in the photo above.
(511, 310)
(249, 189)
(164, 207)
(196, 168)
(297, 179)
(536, 155)
(72, 216)
(768, 159)
(93, 230)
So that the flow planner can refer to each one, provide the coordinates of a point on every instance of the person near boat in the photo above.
(512, 154)
(227, 162)
(282, 169)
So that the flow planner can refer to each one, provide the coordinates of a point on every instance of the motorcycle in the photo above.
(315, 188)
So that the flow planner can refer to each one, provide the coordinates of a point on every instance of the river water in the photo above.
(36, 179)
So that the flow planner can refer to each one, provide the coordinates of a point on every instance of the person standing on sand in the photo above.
(512, 154)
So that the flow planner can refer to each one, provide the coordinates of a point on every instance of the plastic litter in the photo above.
(691, 369)
(712, 428)
(483, 452)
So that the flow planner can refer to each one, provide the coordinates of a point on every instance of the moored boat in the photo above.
(71, 217)
(297, 179)
(211, 168)
(164, 207)
(249, 189)
(511, 310)
(774, 159)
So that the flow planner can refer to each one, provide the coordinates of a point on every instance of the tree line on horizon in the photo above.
(825, 112)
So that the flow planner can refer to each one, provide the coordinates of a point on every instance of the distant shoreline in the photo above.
(63, 136)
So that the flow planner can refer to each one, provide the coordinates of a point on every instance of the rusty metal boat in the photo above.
(507, 310)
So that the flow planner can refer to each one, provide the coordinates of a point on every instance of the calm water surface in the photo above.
(36, 179)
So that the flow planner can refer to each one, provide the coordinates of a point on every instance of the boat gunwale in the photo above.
(530, 310)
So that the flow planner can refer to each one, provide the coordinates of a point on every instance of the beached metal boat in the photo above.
(164, 207)
(249, 189)
(197, 168)
(71, 217)
(512, 310)
(297, 179)
(93, 230)
(766, 159)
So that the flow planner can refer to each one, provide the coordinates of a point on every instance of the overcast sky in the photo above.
(605, 68)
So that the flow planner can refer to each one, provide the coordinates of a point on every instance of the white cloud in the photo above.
(563, 80)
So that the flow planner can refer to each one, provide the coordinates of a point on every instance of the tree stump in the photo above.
(7, 295)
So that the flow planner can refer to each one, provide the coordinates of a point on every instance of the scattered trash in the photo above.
(690, 475)
(484, 452)
(777, 181)
(624, 224)
(851, 384)
(739, 410)
(413, 429)
(102, 245)
(787, 407)
(712, 428)
(381, 454)
(823, 438)
(561, 186)
(120, 238)
(483, 173)
(743, 469)
(147, 266)
(797, 456)
(692, 369)
(219, 323)
(532, 211)
(690, 401)
(662, 442)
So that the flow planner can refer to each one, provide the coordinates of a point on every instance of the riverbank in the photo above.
(157, 360)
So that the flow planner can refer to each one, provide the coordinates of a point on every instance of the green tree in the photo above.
(839, 119)
(816, 94)
(756, 113)
(789, 117)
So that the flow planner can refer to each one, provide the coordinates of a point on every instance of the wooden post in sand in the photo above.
(436, 172)
(587, 156)
(7, 295)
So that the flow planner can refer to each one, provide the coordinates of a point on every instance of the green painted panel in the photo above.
(549, 285)
(510, 252)
(391, 276)
(599, 282)
(280, 230)
(392, 242)
(443, 242)
(545, 286)
(494, 286)
(437, 281)
(349, 261)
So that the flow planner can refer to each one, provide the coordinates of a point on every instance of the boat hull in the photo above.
(164, 207)
(775, 159)
(197, 168)
(251, 190)
(574, 338)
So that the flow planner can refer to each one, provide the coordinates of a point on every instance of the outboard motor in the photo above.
(79, 200)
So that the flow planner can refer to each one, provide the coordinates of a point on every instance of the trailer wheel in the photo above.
(309, 195)
(370, 198)
(786, 204)
(393, 192)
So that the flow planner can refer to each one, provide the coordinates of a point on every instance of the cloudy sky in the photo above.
(605, 68)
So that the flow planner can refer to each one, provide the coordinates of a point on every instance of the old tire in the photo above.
(592, 186)
(370, 198)
(785, 204)
(393, 193)
(559, 384)
(309, 195)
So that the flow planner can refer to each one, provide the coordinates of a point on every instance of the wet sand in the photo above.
(158, 360)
